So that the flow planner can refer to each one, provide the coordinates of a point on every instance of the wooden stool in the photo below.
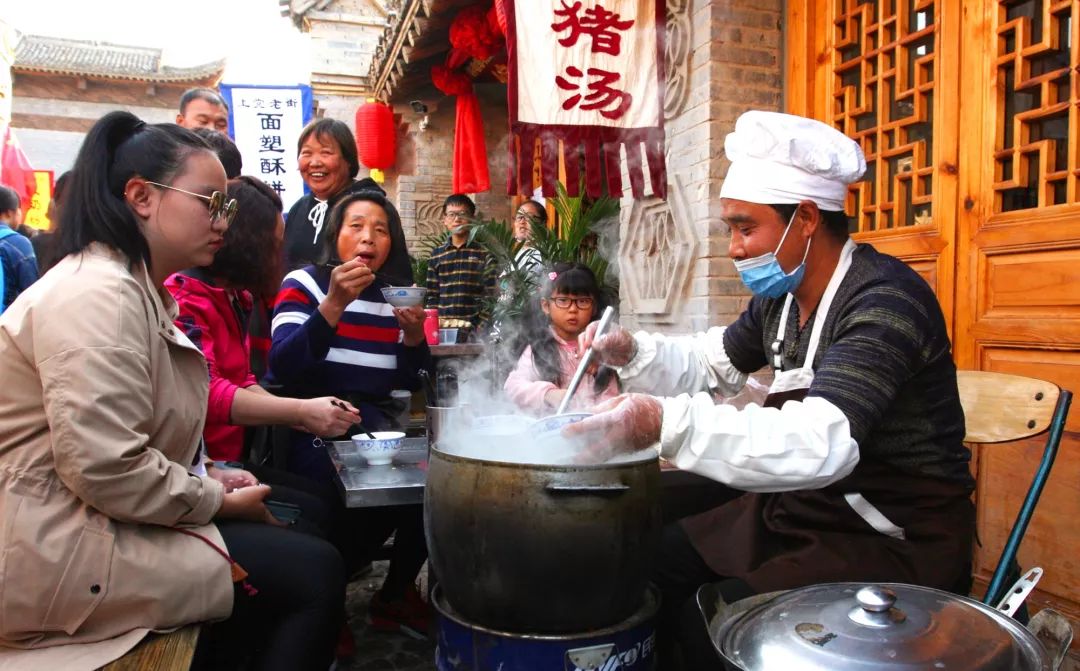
(160, 652)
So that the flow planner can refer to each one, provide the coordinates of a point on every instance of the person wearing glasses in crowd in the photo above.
(326, 153)
(460, 273)
(571, 301)
(203, 108)
(215, 304)
(529, 214)
(113, 526)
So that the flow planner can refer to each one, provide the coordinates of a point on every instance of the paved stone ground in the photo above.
(378, 651)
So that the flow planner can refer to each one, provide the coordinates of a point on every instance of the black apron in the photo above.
(877, 524)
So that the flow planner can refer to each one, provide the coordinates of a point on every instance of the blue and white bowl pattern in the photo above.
(381, 449)
(554, 423)
(404, 297)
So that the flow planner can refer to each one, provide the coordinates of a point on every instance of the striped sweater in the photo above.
(363, 356)
(458, 279)
(884, 360)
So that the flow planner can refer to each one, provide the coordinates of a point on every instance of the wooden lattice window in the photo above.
(1035, 156)
(883, 97)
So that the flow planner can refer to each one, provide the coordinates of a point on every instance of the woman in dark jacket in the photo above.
(328, 162)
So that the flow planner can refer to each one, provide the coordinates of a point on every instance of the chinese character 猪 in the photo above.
(598, 23)
(271, 166)
(603, 96)
(270, 143)
(270, 121)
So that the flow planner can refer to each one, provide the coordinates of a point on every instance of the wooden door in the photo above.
(967, 111)
(884, 73)
(1018, 273)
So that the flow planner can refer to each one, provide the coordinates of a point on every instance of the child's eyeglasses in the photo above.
(563, 302)
(219, 207)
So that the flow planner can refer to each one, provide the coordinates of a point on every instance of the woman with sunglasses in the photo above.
(215, 303)
(111, 525)
(571, 300)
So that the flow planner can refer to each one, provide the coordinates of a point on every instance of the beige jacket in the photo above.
(102, 404)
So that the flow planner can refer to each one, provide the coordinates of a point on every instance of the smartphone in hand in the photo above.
(286, 513)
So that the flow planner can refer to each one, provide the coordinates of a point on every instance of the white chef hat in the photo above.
(784, 159)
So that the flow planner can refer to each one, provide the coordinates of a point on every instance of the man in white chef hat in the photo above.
(853, 464)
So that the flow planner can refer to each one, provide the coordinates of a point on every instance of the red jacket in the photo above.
(210, 320)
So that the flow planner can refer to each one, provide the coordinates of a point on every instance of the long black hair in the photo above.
(397, 270)
(118, 147)
(573, 279)
(251, 256)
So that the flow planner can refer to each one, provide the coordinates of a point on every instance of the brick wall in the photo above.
(732, 64)
(119, 93)
(52, 113)
(421, 179)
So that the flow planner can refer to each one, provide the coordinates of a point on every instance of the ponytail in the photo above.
(117, 148)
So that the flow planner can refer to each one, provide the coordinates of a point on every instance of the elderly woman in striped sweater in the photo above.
(334, 333)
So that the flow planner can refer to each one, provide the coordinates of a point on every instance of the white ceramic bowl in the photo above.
(404, 297)
(381, 448)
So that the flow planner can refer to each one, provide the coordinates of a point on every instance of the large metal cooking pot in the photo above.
(859, 627)
(542, 549)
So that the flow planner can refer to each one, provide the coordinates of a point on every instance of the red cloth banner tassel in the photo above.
(470, 170)
(603, 109)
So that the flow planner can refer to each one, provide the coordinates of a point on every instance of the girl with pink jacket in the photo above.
(571, 300)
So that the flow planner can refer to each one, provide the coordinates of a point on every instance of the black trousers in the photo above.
(682, 635)
(293, 621)
(358, 533)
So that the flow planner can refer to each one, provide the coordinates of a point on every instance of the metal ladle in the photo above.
(605, 319)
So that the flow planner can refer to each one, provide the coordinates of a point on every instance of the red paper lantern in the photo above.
(375, 135)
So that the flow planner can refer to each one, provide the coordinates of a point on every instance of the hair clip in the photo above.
(552, 275)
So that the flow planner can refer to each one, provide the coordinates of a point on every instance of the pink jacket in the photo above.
(526, 389)
(208, 318)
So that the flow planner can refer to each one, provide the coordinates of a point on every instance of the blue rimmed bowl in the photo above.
(404, 297)
(381, 448)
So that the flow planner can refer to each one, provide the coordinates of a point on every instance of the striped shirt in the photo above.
(459, 279)
(363, 355)
(884, 360)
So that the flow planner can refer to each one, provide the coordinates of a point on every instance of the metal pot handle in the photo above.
(612, 489)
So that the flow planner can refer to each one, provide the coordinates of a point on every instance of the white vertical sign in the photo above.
(266, 123)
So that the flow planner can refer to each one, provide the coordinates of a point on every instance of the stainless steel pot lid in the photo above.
(842, 626)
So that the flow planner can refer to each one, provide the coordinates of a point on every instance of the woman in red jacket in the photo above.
(215, 302)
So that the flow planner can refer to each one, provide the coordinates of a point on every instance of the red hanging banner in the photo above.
(588, 74)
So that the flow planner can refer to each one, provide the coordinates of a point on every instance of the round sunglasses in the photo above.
(218, 205)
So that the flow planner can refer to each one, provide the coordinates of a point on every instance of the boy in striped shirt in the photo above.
(460, 273)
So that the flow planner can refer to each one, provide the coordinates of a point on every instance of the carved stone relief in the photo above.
(429, 218)
(657, 252)
(677, 57)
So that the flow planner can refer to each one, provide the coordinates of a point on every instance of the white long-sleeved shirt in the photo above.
(803, 445)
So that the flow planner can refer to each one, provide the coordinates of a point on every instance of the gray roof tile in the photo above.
(101, 59)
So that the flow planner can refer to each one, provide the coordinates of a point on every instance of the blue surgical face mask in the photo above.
(763, 274)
